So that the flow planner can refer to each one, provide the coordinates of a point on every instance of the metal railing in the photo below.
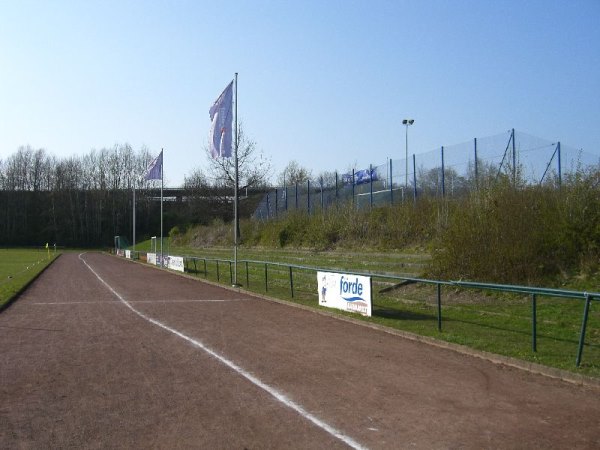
(200, 265)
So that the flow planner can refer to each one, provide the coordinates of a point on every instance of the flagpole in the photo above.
(235, 204)
(134, 219)
(162, 179)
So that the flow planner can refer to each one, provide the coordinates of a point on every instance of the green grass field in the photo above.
(493, 322)
(18, 267)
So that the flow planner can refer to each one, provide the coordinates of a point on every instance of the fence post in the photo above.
(218, 276)
(230, 274)
(586, 312)
(353, 200)
(296, 195)
(443, 175)
(559, 165)
(286, 194)
(439, 306)
(205, 271)
(336, 185)
(391, 184)
(322, 204)
(268, 207)
(414, 178)
(247, 276)
(266, 279)
(276, 201)
(514, 156)
(308, 196)
(291, 282)
(534, 322)
(371, 186)
(476, 165)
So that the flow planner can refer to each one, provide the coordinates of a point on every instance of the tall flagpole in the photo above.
(134, 219)
(162, 179)
(237, 180)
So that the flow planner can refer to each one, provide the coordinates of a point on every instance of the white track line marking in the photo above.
(114, 302)
(189, 301)
(254, 380)
(108, 302)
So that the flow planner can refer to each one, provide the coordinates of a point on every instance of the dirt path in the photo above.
(101, 352)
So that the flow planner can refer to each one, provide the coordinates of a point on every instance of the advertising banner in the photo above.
(128, 254)
(345, 292)
(176, 263)
(151, 258)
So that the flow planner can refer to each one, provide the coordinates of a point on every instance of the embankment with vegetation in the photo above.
(505, 233)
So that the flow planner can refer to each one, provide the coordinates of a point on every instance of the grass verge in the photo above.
(18, 267)
(491, 322)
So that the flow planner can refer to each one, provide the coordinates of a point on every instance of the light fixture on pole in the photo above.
(407, 122)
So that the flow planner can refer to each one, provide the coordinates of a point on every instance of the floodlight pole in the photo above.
(406, 122)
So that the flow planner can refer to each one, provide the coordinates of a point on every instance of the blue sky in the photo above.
(326, 83)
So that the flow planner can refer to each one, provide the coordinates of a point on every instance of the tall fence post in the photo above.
(322, 203)
(559, 165)
(296, 193)
(443, 175)
(353, 200)
(476, 164)
(414, 178)
(268, 207)
(586, 312)
(336, 185)
(308, 195)
(286, 195)
(276, 201)
(514, 156)
(291, 282)
(391, 184)
(371, 186)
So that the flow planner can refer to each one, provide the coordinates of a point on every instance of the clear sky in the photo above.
(324, 82)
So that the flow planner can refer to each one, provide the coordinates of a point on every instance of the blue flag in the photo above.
(221, 115)
(155, 168)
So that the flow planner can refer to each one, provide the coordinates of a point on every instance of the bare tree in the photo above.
(293, 173)
(253, 167)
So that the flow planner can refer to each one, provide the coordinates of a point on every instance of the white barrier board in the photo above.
(128, 254)
(345, 292)
(151, 258)
(176, 263)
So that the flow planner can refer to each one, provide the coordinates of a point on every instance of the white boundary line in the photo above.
(140, 301)
(254, 380)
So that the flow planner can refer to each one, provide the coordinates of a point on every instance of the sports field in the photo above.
(105, 353)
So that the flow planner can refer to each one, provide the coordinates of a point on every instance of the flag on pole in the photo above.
(221, 115)
(154, 171)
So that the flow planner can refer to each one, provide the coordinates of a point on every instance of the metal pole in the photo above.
(514, 155)
(414, 178)
(370, 185)
(391, 185)
(534, 322)
(586, 312)
(406, 161)
(162, 181)
(237, 180)
(443, 175)
(134, 220)
(439, 306)
(476, 165)
(559, 166)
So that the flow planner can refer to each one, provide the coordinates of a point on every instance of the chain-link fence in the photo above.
(449, 171)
